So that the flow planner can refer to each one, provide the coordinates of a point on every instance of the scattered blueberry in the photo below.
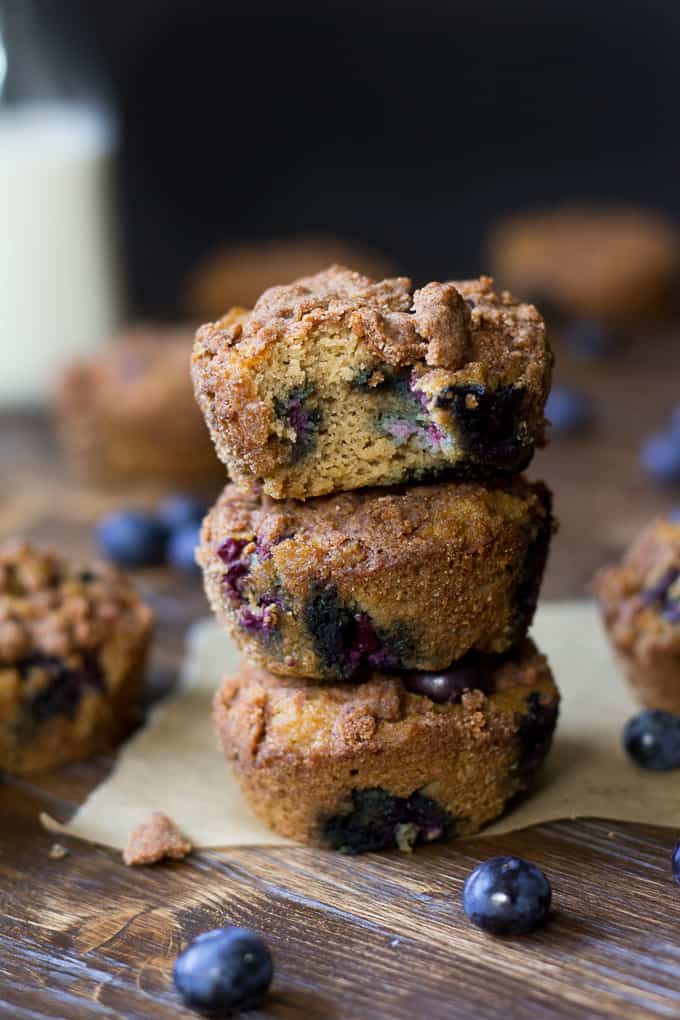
(652, 739)
(675, 862)
(181, 547)
(224, 969)
(661, 457)
(568, 411)
(507, 896)
(587, 339)
(132, 538)
(181, 509)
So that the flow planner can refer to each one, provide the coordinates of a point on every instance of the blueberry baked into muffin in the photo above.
(73, 640)
(395, 578)
(608, 263)
(128, 414)
(640, 603)
(394, 761)
(337, 382)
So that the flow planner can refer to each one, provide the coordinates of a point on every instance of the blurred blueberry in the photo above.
(224, 970)
(661, 457)
(132, 538)
(182, 546)
(587, 339)
(181, 508)
(675, 863)
(507, 896)
(674, 515)
(569, 411)
(675, 422)
(652, 739)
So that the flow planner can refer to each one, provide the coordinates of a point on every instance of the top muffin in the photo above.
(336, 382)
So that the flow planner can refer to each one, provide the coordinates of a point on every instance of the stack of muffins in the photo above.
(378, 555)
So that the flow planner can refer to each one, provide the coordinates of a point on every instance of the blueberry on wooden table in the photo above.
(587, 338)
(222, 970)
(181, 509)
(181, 547)
(675, 863)
(507, 896)
(132, 538)
(660, 457)
(652, 739)
(569, 411)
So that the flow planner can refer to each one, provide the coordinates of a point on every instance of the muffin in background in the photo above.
(128, 414)
(640, 604)
(609, 263)
(238, 274)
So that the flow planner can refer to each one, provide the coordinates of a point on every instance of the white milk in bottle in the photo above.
(59, 294)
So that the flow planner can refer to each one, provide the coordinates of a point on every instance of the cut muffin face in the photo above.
(73, 642)
(336, 382)
(378, 765)
(640, 603)
(400, 579)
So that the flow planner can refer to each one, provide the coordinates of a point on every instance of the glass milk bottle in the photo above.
(59, 294)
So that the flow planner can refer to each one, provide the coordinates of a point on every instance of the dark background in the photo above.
(408, 126)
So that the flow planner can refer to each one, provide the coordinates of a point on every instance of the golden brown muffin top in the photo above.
(144, 369)
(270, 716)
(445, 325)
(55, 607)
(642, 593)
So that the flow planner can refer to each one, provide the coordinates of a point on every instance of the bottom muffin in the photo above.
(394, 761)
(640, 603)
(73, 641)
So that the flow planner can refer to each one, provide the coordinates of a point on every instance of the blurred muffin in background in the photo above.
(128, 414)
(238, 274)
(604, 263)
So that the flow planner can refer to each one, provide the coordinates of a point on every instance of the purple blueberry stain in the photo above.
(295, 410)
(261, 619)
(65, 684)
(233, 579)
(379, 820)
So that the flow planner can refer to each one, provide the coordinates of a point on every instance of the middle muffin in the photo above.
(398, 578)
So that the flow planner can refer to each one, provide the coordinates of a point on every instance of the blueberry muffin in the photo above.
(337, 382)
(612, 264)
(640, 603)
(237, 274)
(392, 578)
(128, 414)
(73, 640)
(394, 761)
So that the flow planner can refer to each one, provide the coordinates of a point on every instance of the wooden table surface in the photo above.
(357, 938)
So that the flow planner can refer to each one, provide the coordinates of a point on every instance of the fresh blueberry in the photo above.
(507, 896)
(132, 538)
(225, 969)
(182, 547)
(587, 339)
(182, 508)
(652, 739)
(568, 411)
(661, 457)
(675, 862)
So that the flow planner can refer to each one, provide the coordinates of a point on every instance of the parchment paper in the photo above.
(173, 763)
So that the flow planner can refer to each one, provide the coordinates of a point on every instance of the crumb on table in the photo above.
(155, 839)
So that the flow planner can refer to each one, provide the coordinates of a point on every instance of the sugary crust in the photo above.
(128, 413)
(447, 336)
(607, 263)
(434, 570)
(640, 603)
(73, 640)
(299, 750)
